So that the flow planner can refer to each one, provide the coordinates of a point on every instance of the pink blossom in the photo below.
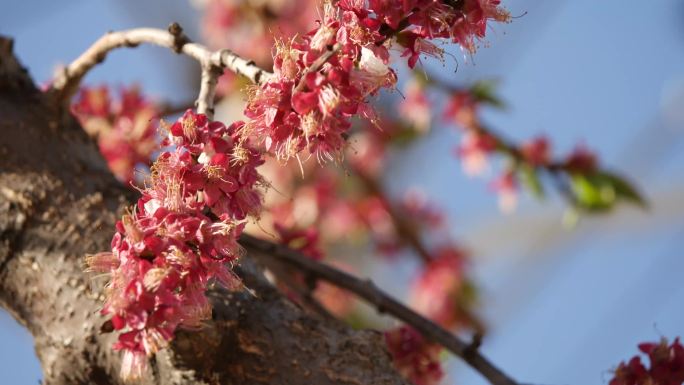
(666, 365)
(474, 151)
(581, 160)
(537, 151)
(439, 289)
(305, 108)
(305, 240)
(414, 357)
(462, 108)
(506, 186)
(415, 107)
(417, 206)
(181, 235)
(124, 128)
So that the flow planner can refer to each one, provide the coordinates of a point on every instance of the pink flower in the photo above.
(416, 204)
(438, 291)
(305, 108)
(581, 160)
(506, 187)
(124, 128)
(471, 25)
(474, 151)
(378, 220)
(414, 46)
(666, 366)
(414, 357)
(415, 107)
(537, 151)
(366, 152)
(305, 241)
(462, 109)
(182, 234)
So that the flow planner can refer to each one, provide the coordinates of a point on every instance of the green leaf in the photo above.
(530, 179)
(592, 192)
(624, 190)
(485, 91)
(405, 135)
(601, 190)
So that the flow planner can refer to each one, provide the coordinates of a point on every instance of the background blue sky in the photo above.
(563, 306)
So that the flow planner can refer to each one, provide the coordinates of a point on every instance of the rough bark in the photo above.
(58, 202)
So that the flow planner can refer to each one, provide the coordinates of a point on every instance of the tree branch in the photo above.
(213, 63)
(383, 302)
(410, 236)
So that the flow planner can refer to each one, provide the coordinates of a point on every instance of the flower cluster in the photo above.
(667, 365)
(181, 235)
(305, 241)
(414, 357)
(463, 22)
(441, 291)
(124, 127)
(325, 78)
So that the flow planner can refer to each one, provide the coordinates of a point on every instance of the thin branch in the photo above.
(207, 92)
(555, 168)
(384, 304)
(213, 63)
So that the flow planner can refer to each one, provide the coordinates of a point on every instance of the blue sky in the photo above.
(563, 306)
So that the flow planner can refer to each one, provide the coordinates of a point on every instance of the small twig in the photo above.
(475, 343)
(207, 92)
(386, 304)
(67, 81)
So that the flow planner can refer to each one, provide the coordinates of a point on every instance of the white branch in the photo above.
(213, 63)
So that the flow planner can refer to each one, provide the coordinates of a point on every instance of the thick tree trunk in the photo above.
(58, 202)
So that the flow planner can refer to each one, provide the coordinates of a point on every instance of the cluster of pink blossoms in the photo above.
(414, 357)
(326, 77)
(181, 235)
(667, 366)
(440, 292)
(305, 241)
(124, 128)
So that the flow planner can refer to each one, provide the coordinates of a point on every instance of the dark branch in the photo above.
(383, 302)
